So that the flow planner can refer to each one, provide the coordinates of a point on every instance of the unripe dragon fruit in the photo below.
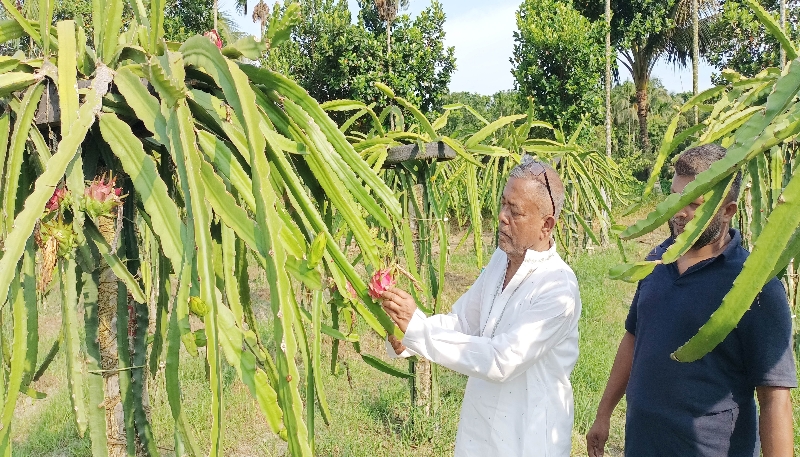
(60, 236)
(101, 197)
(381, 281)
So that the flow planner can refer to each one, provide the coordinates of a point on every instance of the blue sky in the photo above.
(483, 36)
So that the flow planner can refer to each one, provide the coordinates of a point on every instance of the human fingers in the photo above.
(399, 292)
(390, 305)
(393, 310)
(399, 349)
(390, 294)
(595, 443)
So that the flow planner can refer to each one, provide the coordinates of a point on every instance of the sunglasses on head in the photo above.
(543, 171)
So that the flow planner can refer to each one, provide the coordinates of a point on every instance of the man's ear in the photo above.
(729, 210)
(549, 224)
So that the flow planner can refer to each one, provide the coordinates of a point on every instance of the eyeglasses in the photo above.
(543, 171)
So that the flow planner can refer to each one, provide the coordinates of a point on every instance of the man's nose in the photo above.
(683, 212)
(503, 216)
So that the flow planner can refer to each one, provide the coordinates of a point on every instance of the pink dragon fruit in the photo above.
(59, 196)
(381, 281)
(213, 35)
(101, 197)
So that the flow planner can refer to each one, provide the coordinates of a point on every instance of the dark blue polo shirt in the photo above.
(707, 407)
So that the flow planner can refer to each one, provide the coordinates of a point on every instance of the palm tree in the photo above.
(673, 43)
(241, 6)
(228, 28)
(261, 15)
(387, 11)
(227, 21)
(696, 54)
(783, 27)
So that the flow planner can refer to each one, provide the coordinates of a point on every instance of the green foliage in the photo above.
(632, 20)
(184, 19)
(558, 61)
(219, 162)
(740, 41)
(333, 58)
(462, 122)
(627, 150)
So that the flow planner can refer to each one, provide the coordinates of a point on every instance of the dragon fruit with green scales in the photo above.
(101, 197)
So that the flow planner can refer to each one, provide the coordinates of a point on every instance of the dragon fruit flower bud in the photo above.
(381, 281)
(59, 196)
(213, 35)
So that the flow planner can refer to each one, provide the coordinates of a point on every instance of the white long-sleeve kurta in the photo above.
(518, 350)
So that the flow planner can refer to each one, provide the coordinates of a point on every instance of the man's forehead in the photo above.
(679, 182)
(521, 192)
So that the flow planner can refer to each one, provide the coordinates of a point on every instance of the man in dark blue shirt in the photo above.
(703, 408)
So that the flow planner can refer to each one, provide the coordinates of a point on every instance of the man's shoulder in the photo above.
(557, 265)
(658, 251)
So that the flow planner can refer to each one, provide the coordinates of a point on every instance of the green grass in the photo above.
(372, 414)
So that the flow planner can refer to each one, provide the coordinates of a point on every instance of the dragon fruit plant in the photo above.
(195, 142)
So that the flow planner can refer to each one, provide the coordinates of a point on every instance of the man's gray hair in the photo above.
(534, 170)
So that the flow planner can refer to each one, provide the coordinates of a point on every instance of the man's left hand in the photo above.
(397, 345)
(399, 305)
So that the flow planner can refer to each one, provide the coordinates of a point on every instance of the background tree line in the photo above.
(558, 60)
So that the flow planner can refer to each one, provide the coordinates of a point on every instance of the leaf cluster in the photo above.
(334, 58)
(558, 61)
(740, 41)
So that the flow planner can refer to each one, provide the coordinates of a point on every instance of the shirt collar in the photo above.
(736, 241)
(532, 256)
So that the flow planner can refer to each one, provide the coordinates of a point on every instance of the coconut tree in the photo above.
(783, 28)
(261, 16)
(609, 54)
(644, 31)
(696, 54)
(675, 42)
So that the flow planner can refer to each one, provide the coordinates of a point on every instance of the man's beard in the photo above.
(711, 233)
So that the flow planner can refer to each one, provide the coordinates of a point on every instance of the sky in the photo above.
(483, 36)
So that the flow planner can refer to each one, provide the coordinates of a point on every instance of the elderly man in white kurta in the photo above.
(514, 332)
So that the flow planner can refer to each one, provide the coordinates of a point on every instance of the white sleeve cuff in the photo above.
(392, 355)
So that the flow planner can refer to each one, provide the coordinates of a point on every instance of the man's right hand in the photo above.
(597, 437)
